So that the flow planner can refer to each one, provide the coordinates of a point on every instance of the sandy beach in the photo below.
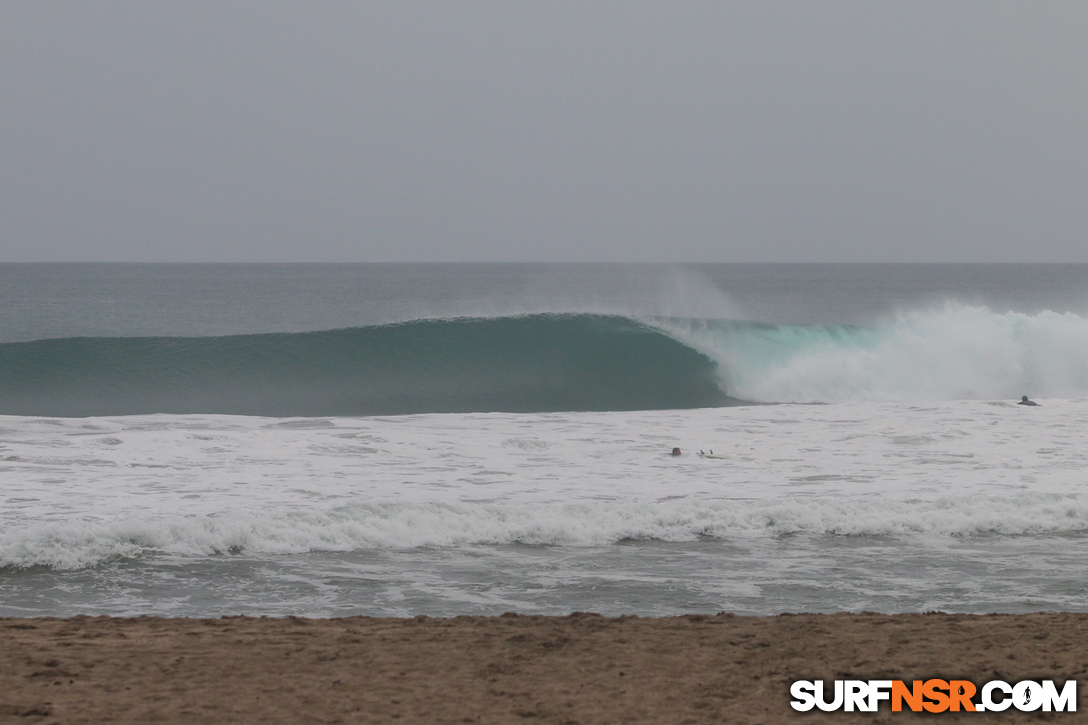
(583, 668)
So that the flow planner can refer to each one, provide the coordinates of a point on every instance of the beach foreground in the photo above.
(583, 668)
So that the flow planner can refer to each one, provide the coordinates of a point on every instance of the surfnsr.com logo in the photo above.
(934, 696)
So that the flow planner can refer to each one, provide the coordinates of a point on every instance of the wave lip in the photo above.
(533, 363)
(79, 544)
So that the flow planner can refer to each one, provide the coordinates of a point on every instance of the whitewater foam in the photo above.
(75, 544)
(78, 492)
(953, 352)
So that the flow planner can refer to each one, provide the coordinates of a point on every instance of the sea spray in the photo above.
(954, 352)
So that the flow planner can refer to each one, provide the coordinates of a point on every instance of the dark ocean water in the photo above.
(167, 300)
(515, 364)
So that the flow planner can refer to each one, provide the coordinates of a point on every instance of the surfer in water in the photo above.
(675, 451)
(1024, 401)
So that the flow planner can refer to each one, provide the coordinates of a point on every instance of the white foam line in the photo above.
(78, 491)
(75, 544)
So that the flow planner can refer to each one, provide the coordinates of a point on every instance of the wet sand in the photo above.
(583, 668)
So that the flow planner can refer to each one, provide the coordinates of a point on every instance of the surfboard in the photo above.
(712, 454)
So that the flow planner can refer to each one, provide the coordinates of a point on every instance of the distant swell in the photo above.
(535, 363)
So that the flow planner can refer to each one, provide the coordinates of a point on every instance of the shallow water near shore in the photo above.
(792, 574)
(963, 506)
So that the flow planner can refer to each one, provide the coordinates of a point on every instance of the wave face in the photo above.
(952, 353)
(553, 363)
(535, 363)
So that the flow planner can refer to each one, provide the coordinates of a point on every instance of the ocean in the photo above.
(396, 440)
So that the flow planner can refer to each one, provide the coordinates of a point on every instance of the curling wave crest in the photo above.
(525, 363)
(552, 362)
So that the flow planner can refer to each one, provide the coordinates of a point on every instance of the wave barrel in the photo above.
(535, 363)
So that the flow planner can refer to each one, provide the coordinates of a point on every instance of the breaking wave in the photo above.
(950, 353)
(75, 544)
(535, 363)
(551, 363)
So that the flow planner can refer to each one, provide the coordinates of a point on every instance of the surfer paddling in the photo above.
(1024, 401)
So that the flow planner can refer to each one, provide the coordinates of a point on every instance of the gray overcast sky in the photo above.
(929, 131)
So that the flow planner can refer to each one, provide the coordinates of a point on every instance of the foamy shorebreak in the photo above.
(83, 492)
